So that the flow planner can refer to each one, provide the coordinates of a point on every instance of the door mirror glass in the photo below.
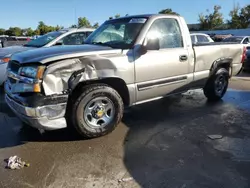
(152, 44)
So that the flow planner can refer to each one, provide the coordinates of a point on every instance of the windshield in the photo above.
(119, 33)
(43, 40)
(233, 39)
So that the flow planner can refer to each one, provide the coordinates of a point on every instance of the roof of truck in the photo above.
(145, 16)
(77, 29)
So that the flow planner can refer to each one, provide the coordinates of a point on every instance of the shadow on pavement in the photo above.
(244, 74)
(168, 142)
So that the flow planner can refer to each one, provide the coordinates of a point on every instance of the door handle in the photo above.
(183, 57)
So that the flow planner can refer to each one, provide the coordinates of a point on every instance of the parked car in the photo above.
(238, 39)
(13, 40)
(61, 37)
(246, 64)
(200, 38)
(221, 37)
(89, 85)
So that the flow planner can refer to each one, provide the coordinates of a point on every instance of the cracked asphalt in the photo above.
(165, 143)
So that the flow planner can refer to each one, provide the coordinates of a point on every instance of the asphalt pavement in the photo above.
(177, 142)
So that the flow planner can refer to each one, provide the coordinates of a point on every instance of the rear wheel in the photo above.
(97, 110)
(217, 85)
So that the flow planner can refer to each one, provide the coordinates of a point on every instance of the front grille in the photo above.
(14, 66)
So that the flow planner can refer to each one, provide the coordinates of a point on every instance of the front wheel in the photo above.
(97, 110)
(217, 85)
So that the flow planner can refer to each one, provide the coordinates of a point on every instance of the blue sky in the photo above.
(27, 13)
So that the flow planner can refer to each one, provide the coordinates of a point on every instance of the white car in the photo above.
(200, 38)
(238, 39)
(61, 37)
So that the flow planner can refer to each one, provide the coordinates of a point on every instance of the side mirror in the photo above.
(152, 44)
(59, 43)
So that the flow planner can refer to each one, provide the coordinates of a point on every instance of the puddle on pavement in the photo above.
(238, 98)
(238, 147)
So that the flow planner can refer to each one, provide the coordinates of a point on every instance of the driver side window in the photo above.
(168, 32)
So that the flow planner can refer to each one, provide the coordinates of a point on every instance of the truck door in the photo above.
(163, 71)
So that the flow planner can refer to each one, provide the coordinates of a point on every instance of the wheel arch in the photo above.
(222, 63)
(115, 82)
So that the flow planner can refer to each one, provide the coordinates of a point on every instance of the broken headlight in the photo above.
(32, 71)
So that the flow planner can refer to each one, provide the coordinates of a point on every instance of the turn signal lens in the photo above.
(40, 71)
(37, 88)
(5, 60)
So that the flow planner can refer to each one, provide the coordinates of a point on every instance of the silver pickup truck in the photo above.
(126, 61)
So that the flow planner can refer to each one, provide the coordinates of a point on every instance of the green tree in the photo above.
(27, 32)
(117, 16)
(36, 32)
(14, 31)
(58, 27)
(74, 26)
(96, 25)
(2, 31)
(212, 20)
(168, 11)
(42, 28)
(235, 21)
(83, 22)
(245, 16)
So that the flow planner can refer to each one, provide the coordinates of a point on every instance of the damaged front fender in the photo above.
(64, 75)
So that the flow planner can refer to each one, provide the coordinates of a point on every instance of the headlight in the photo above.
(32, 72)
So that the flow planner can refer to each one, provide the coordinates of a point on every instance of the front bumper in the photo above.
(49, 117)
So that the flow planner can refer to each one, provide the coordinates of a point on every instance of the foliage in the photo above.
(74, 26)
(235, 22)
(96, 25)
(116, 16)
(2, 31)
(27, 32)
(212, 20)
(83, 22)
(14, 31)
(245, 16)
(240, 17)
(168, 11)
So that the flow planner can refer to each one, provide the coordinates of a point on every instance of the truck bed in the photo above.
(214, 43)
(208, 53)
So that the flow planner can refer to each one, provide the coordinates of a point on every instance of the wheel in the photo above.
(217, 85)
(96, 111)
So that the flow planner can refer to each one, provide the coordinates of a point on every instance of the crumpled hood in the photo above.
(12, 49)
(45, 55)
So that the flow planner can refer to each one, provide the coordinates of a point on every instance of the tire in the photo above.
(217, 85)
(96, 110)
